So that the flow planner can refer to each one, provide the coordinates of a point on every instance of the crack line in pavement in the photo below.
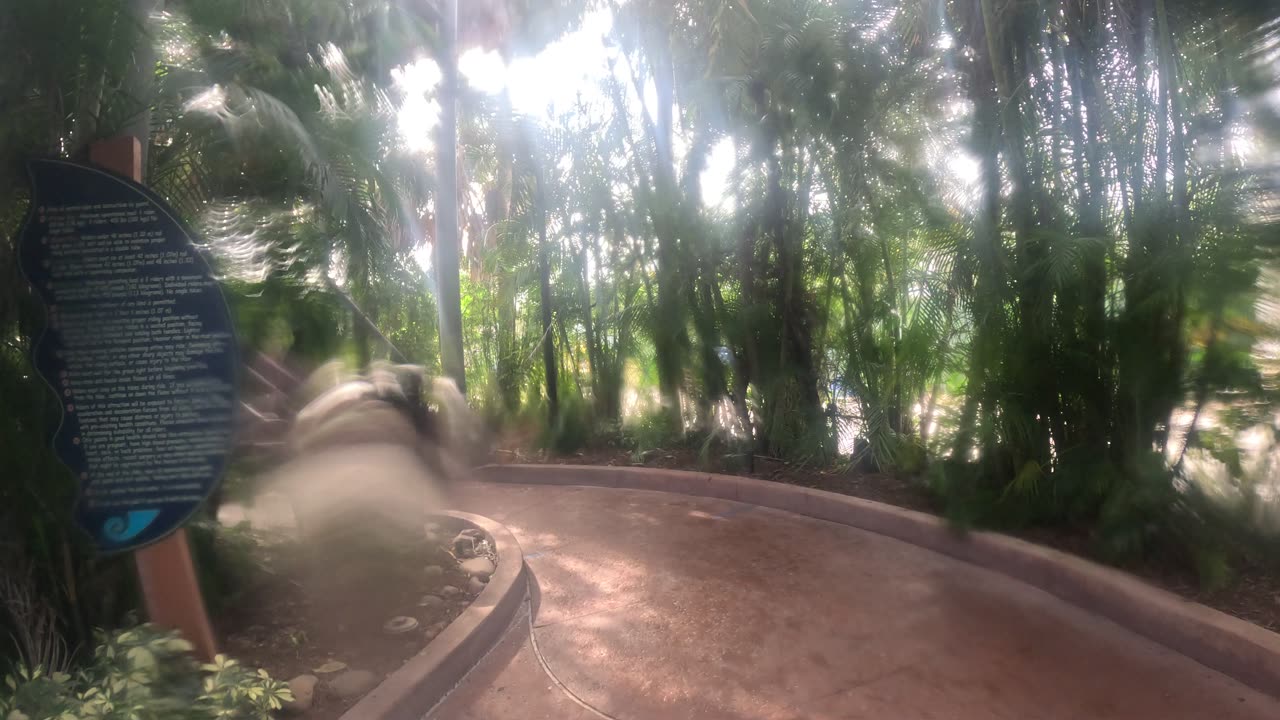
(593, 612)
(542, 660)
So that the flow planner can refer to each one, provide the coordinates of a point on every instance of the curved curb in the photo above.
(410, 692)
(1236, 648)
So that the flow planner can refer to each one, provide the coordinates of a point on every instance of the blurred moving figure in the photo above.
(365, 460)
(388, 405)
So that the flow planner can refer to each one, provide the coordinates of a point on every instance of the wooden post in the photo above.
(171, 591)
(170, 588)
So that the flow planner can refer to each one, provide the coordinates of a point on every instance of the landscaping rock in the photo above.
(434, 630)
(331, 667)
(464, 546)
(474, 586)
(352, 684)
(303, 688)
(431, 602)
(477, 567)
(433, 572)
(399, 625)
(449, 591)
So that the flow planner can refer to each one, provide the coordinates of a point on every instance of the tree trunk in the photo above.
(588, 324)
(796, 336)
(571, 356)
(669, 327)
(140, 85)
(1084, 75)
(1181, 237)
(1136, 333)
(361, 336)
(988, 298)
(446, 241)
(1029, 369)
(747, 371)
(544, 286)
(498, 203)
(1207, 368)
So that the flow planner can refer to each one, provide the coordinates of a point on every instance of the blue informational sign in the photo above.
(138, 347)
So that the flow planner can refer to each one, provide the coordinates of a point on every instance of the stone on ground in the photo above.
(352, 684)
(478, 567)
(475, 585)
(433, 572)
(434, 630)
(331, 666)
(400, 624)
(303, 688)
(464, 546)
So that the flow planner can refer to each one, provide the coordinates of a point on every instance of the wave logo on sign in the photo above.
(123, 528)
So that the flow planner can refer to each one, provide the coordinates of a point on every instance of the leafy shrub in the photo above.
(1145, 516)
(658, 429)
(226, 560)
(143, 674)
(1141, 511)
(573, 427)
(571, 431)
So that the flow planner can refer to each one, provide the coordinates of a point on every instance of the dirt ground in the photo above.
(1253, 593)
(291, 624)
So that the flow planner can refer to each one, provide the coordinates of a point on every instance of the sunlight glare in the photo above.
(483, 70)
(715, 177)
(964, 167)
(549, 82)
(212, 101)
(419, 112)
(422, 256)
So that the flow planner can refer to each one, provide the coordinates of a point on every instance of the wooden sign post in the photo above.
(171, 591)
(139, 347)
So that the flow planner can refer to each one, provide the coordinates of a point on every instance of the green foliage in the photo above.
(1137, 514)
(652, 431)
(573, 429)
(143, 674)
(226, 561)
(1142, 518)
(46, 566)
(911, 457)
(279, 316)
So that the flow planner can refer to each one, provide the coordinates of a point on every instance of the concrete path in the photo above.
(656, 606)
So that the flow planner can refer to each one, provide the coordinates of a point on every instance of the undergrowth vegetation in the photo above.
(142, 674)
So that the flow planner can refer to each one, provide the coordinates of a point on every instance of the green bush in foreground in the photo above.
(143, 674)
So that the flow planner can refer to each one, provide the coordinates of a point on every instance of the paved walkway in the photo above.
(651, 606)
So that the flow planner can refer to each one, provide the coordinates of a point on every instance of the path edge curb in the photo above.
(1232, 646)
(423, 681)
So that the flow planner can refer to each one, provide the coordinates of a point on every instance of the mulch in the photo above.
(290, 625)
